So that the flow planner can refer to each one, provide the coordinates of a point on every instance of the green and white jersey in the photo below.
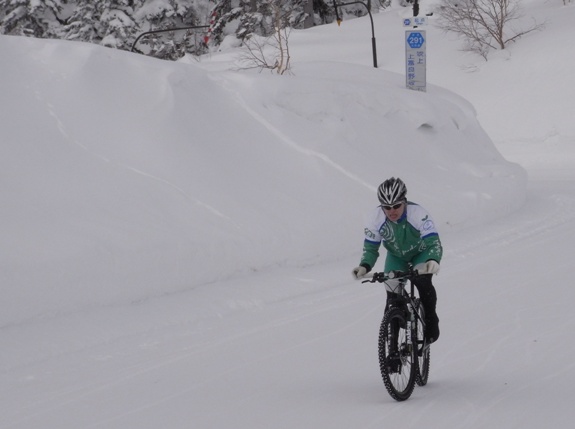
(413, 238)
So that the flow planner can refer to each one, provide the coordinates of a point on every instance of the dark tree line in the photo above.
(117, 23)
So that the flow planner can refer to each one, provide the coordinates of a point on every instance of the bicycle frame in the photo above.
(399, 290)
(406, 363)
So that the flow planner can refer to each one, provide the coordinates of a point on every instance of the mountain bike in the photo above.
(404, 355)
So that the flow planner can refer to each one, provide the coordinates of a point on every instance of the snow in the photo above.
(177, 238)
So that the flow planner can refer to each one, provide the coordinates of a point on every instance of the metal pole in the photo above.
(368, 7)
(373, 47)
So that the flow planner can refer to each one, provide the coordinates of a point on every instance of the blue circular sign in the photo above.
(415, 40)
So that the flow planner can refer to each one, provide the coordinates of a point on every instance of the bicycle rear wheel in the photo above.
(397, 358)
(423, 352)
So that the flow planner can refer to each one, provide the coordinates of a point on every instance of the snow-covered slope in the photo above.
(128, 177)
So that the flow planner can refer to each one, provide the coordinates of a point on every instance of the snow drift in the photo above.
(125, 177)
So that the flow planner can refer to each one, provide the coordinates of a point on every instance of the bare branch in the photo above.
(271, 53)
(484, 24)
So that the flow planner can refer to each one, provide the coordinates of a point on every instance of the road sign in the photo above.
(415, 60)
(415, 21)
(415, 39)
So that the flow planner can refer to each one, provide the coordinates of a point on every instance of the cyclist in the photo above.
(407, 232)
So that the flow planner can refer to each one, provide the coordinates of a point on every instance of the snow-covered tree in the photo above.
(108, 22)
(119, 28)
(84, 24)
(117, 23)
(37, 18)
(167, 14)
(246, 17)
(324, 12)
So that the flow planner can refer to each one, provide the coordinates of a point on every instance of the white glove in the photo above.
(359, 272)
(430, 267)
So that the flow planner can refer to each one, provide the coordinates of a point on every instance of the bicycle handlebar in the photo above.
(396, 275)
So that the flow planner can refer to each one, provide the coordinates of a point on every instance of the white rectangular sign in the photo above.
(415, 60)
(415, 21)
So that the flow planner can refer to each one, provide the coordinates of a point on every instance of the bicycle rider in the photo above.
(408, 233)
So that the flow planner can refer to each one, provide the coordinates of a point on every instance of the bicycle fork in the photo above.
(411, 323)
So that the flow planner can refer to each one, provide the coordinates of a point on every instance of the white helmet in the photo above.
(392, 191)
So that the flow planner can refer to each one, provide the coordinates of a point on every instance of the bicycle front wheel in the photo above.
(397, 356)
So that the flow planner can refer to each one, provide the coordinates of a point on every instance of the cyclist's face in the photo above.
(394, 212)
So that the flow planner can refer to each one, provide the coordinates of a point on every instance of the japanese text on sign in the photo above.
(415, 60)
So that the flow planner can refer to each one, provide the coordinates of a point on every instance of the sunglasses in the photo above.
(395, 207)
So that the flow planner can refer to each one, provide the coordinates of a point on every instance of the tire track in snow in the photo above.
(261, 358)
(531, 220)
(290, 143)
(62, 128)
(81, 394)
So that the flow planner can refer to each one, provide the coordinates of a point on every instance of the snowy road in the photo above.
(296, 347)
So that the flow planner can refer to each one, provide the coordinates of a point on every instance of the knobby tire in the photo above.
(399, 380)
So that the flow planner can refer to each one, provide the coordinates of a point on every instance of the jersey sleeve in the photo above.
(372, 239)
(424, 223)
(433, 248)
(422, 220)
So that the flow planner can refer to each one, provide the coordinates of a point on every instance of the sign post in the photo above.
(415, 60)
